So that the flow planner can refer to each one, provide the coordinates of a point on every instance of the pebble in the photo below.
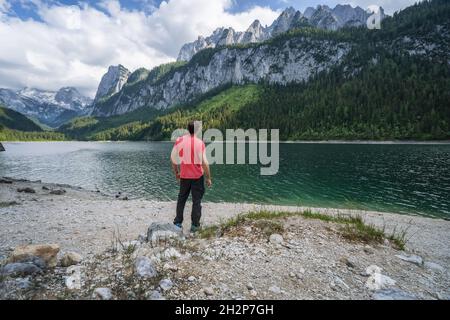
(275, 289)
(434, 266)
(102, 293)
(155, 295)
(70, 259)
(276, 238)
(412, 258)
(209, 291)
(26, 190)
(191, 279)
(144, 267)
(166, 284)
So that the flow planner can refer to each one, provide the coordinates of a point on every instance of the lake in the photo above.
(401, 178)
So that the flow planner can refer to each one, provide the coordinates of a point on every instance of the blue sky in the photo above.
(48, 44)
(26, 9)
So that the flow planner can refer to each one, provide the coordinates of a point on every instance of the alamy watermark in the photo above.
(263, 147)
(374, 21)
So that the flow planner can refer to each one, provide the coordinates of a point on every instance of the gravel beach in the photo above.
(87, 222)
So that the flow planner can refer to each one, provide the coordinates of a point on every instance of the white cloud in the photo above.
(4, 6)
(74, 45)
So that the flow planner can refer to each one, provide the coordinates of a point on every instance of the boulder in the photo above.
(276, 238)
(20, 269)
(392, 294)
(46, 252)
(158, 232)
(70, 259)
(144, 267)
(102, 293)
(379, 281)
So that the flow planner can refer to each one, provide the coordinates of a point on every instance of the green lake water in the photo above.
(401, 178)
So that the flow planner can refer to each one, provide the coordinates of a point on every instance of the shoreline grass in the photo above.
(353, 227)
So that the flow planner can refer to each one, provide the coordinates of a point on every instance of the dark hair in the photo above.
(191, 127)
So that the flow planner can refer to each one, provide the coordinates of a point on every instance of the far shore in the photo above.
(375, 142)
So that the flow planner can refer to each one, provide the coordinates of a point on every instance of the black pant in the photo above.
(197, 188)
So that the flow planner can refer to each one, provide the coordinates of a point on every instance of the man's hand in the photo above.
(177, 176)
(209, 182)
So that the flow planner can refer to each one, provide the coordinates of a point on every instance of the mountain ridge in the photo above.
(322, 17)
(47, 106)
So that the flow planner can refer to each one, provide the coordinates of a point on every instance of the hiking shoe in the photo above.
(179, 225)
(195, 229)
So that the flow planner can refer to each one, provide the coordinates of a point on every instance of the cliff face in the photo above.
(288, 61)
(112, 82)
(322, 17)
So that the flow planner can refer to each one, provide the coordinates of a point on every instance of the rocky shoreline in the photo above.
(96, 247)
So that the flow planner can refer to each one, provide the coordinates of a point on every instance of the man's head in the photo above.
(191, 127)
(194, 127)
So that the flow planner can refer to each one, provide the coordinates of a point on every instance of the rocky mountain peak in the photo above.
(309, 12)
(283, 22)
(322, 17)
(112, 81)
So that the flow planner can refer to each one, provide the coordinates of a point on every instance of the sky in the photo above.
(49, 44)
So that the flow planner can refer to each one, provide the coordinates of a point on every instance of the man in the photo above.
(188, 155)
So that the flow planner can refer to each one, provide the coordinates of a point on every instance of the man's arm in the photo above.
(173, 161)
(206, 169)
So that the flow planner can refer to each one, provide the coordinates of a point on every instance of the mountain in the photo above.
(211, 68)
(353, 83)
(112, 82)
(11, 119)
(322, 17)
(49, 107)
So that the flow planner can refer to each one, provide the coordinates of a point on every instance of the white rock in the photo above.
(102, 293)
(412, 258)
(433, 266)
(275, 289)
(171, 253)
(166, 284)
(155, 295)
(73, 280)
(144, 267)
(276, 238)
(191, 279)
(379, 281)
(373, 269)
(209, 291)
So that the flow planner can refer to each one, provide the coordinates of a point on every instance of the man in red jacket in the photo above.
(189, 164)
